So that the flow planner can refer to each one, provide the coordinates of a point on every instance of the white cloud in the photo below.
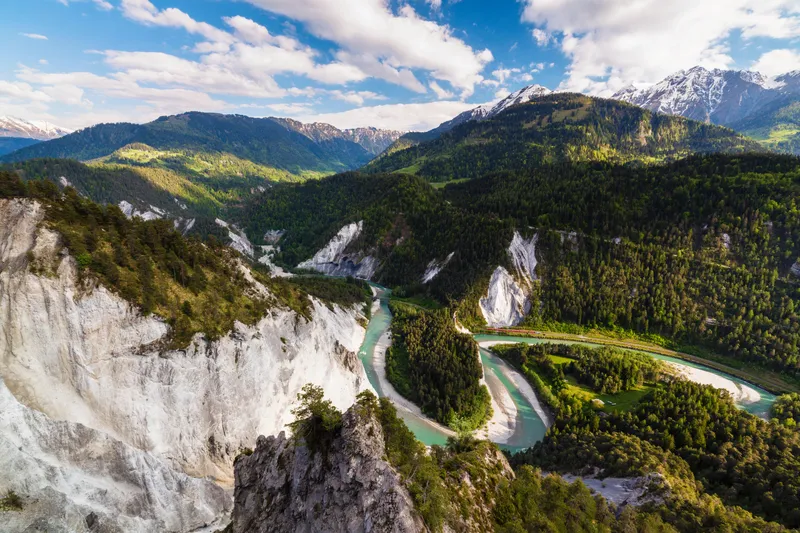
(436, 5)
(145, 12)
(36, 36)
(612, 43)
(440, 92)
(43, 62)
(502, 74)
(170, 71)
(403, 117)
(777, 62)
(526, 77)
(502, 93)
(162, 101)
(541, 37)
(101, 4)
(370, 31)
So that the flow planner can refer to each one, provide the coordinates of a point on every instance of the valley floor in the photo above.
(766, 379)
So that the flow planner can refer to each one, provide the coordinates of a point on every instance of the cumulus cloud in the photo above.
(612, 43)
(777, 62)
(502, 93)
(403, 117)
(402, 41)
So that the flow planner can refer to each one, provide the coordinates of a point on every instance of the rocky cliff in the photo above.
(508, 299)
(103, 421)
(347, 488)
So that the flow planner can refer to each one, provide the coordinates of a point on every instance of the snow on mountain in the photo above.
(524, 95)
(30, 129)
(487, 111)
(715, 96)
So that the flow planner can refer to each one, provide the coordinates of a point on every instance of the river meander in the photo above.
(529, 428)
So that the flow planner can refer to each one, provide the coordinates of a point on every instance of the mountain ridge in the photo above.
(30, 129)
(555, 127)
(267, 141)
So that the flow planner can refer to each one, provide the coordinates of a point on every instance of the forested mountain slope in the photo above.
(560, 128)
(701, 250)
(776, 125)
(12, 144)
(263, 141)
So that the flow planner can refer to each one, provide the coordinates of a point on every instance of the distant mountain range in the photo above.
(33, 129)
(278, 143)
(762, 108)
(533, 128)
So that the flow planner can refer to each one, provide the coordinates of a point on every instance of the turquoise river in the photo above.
(529, 428)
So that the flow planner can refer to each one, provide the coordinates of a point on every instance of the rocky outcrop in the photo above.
(435, 267)
(335, 259)
(507, 301)
(82, 357)
(347, 488)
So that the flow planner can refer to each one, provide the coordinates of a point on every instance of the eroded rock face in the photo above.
(507, 301)
(88, 366)
(351, 488)
(335, 260)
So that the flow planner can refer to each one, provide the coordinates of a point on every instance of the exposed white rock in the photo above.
(268, 252)
(130, 211)
(274, 236)
(88, 358)
(626, 491)
(66, 472)
(795, 270)
(523, 255)
(239, 240)
(726, 241)
(333, 259)
(434, 267)
(64, 182)
(506, 303)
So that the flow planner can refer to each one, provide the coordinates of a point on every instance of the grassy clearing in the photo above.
(620, 402)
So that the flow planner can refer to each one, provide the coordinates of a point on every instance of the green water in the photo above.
(529, 429)
(760, 408)
(378, 325)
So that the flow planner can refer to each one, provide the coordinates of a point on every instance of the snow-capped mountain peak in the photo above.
(522, 96)
(30, 129)
(487, 111)
(718, 96)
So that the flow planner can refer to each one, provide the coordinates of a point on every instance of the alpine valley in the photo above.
(554, 312)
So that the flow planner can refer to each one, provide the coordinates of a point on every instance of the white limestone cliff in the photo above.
(334, 259)
(507, 301)
(85, 361)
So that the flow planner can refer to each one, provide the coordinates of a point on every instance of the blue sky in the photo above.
(406, 64)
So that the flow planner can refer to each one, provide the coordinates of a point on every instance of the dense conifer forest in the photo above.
(437, 368)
